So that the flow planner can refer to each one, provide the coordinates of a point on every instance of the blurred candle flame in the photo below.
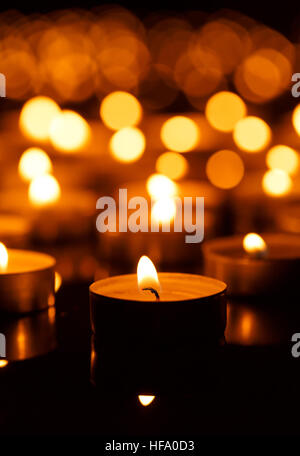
(147, 275)
(3, 257)
(180, 133)
(146, 400)
(69, 132)
(44, 190)
(36, 117)
(172, 165)
(255, 245)
(164, 210)
(160, 186)
(58, 281)
(3, 362)
(128, 144)
(276, 182)
(284, 158)
(120, 109)
(34, 162)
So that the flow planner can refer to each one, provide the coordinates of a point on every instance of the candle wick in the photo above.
(152, 291)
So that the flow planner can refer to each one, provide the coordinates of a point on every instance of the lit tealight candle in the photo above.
(146, 400)
(255, 265)
(140, 318)
(27, 280)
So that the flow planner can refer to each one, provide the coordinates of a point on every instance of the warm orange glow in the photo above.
(3, 257)
(276, 182)
(296, 119)
(283, 157)
(147, 275)
(225, 169)
(128, 144)
(160, 186)
(252, 134)
(263, 75)
(224, 110)
(58, 281)
(180, 134)
(36, 117)
(172, 165)
(3, 362)
(44, 190)
(145, 399)
(254, 245)
(119, 110)
(247, 325)
(34, 162)
(164, 210)
(69, 132)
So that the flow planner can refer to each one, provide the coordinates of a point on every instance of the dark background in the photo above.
(283, 16)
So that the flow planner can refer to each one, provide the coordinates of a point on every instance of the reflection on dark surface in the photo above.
(261, 322)
(29, 336)
(247, 389)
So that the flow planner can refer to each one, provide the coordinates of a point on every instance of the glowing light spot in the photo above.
(247, 324)
(283, 157)
(225, 169)
(119, 110)
(160, 186)
(58, 281)
(147, 275)
(44, 190)
(276, 182)
(224, 110)
(164, 210)
(69, 132)
(3, 362)
(34, 162)
(252, 134)
(146, 400)
(254, 245)
(180, 134)
(36, 117)
(172, 165)
(3, 257)
(128, 144)
(296, 119)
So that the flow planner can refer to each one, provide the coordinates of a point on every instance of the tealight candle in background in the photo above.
(141, 321)
(255, 265)
(166, 248)
(54, 213)
(27, 280)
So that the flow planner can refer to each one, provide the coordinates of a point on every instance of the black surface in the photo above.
(253, 390)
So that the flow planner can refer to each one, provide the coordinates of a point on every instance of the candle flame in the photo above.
(44, 190)
(34, 162)
(160, 186)
(146, 399)
(147, 275)
(57, 282)
(276, 182)
(3, 362)
(254, 245)
(164, 210)
(3, 256)
(69, 132)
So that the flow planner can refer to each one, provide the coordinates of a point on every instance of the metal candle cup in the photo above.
(139, 341)
(27, 282)
(191, 309)
(275, 273)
